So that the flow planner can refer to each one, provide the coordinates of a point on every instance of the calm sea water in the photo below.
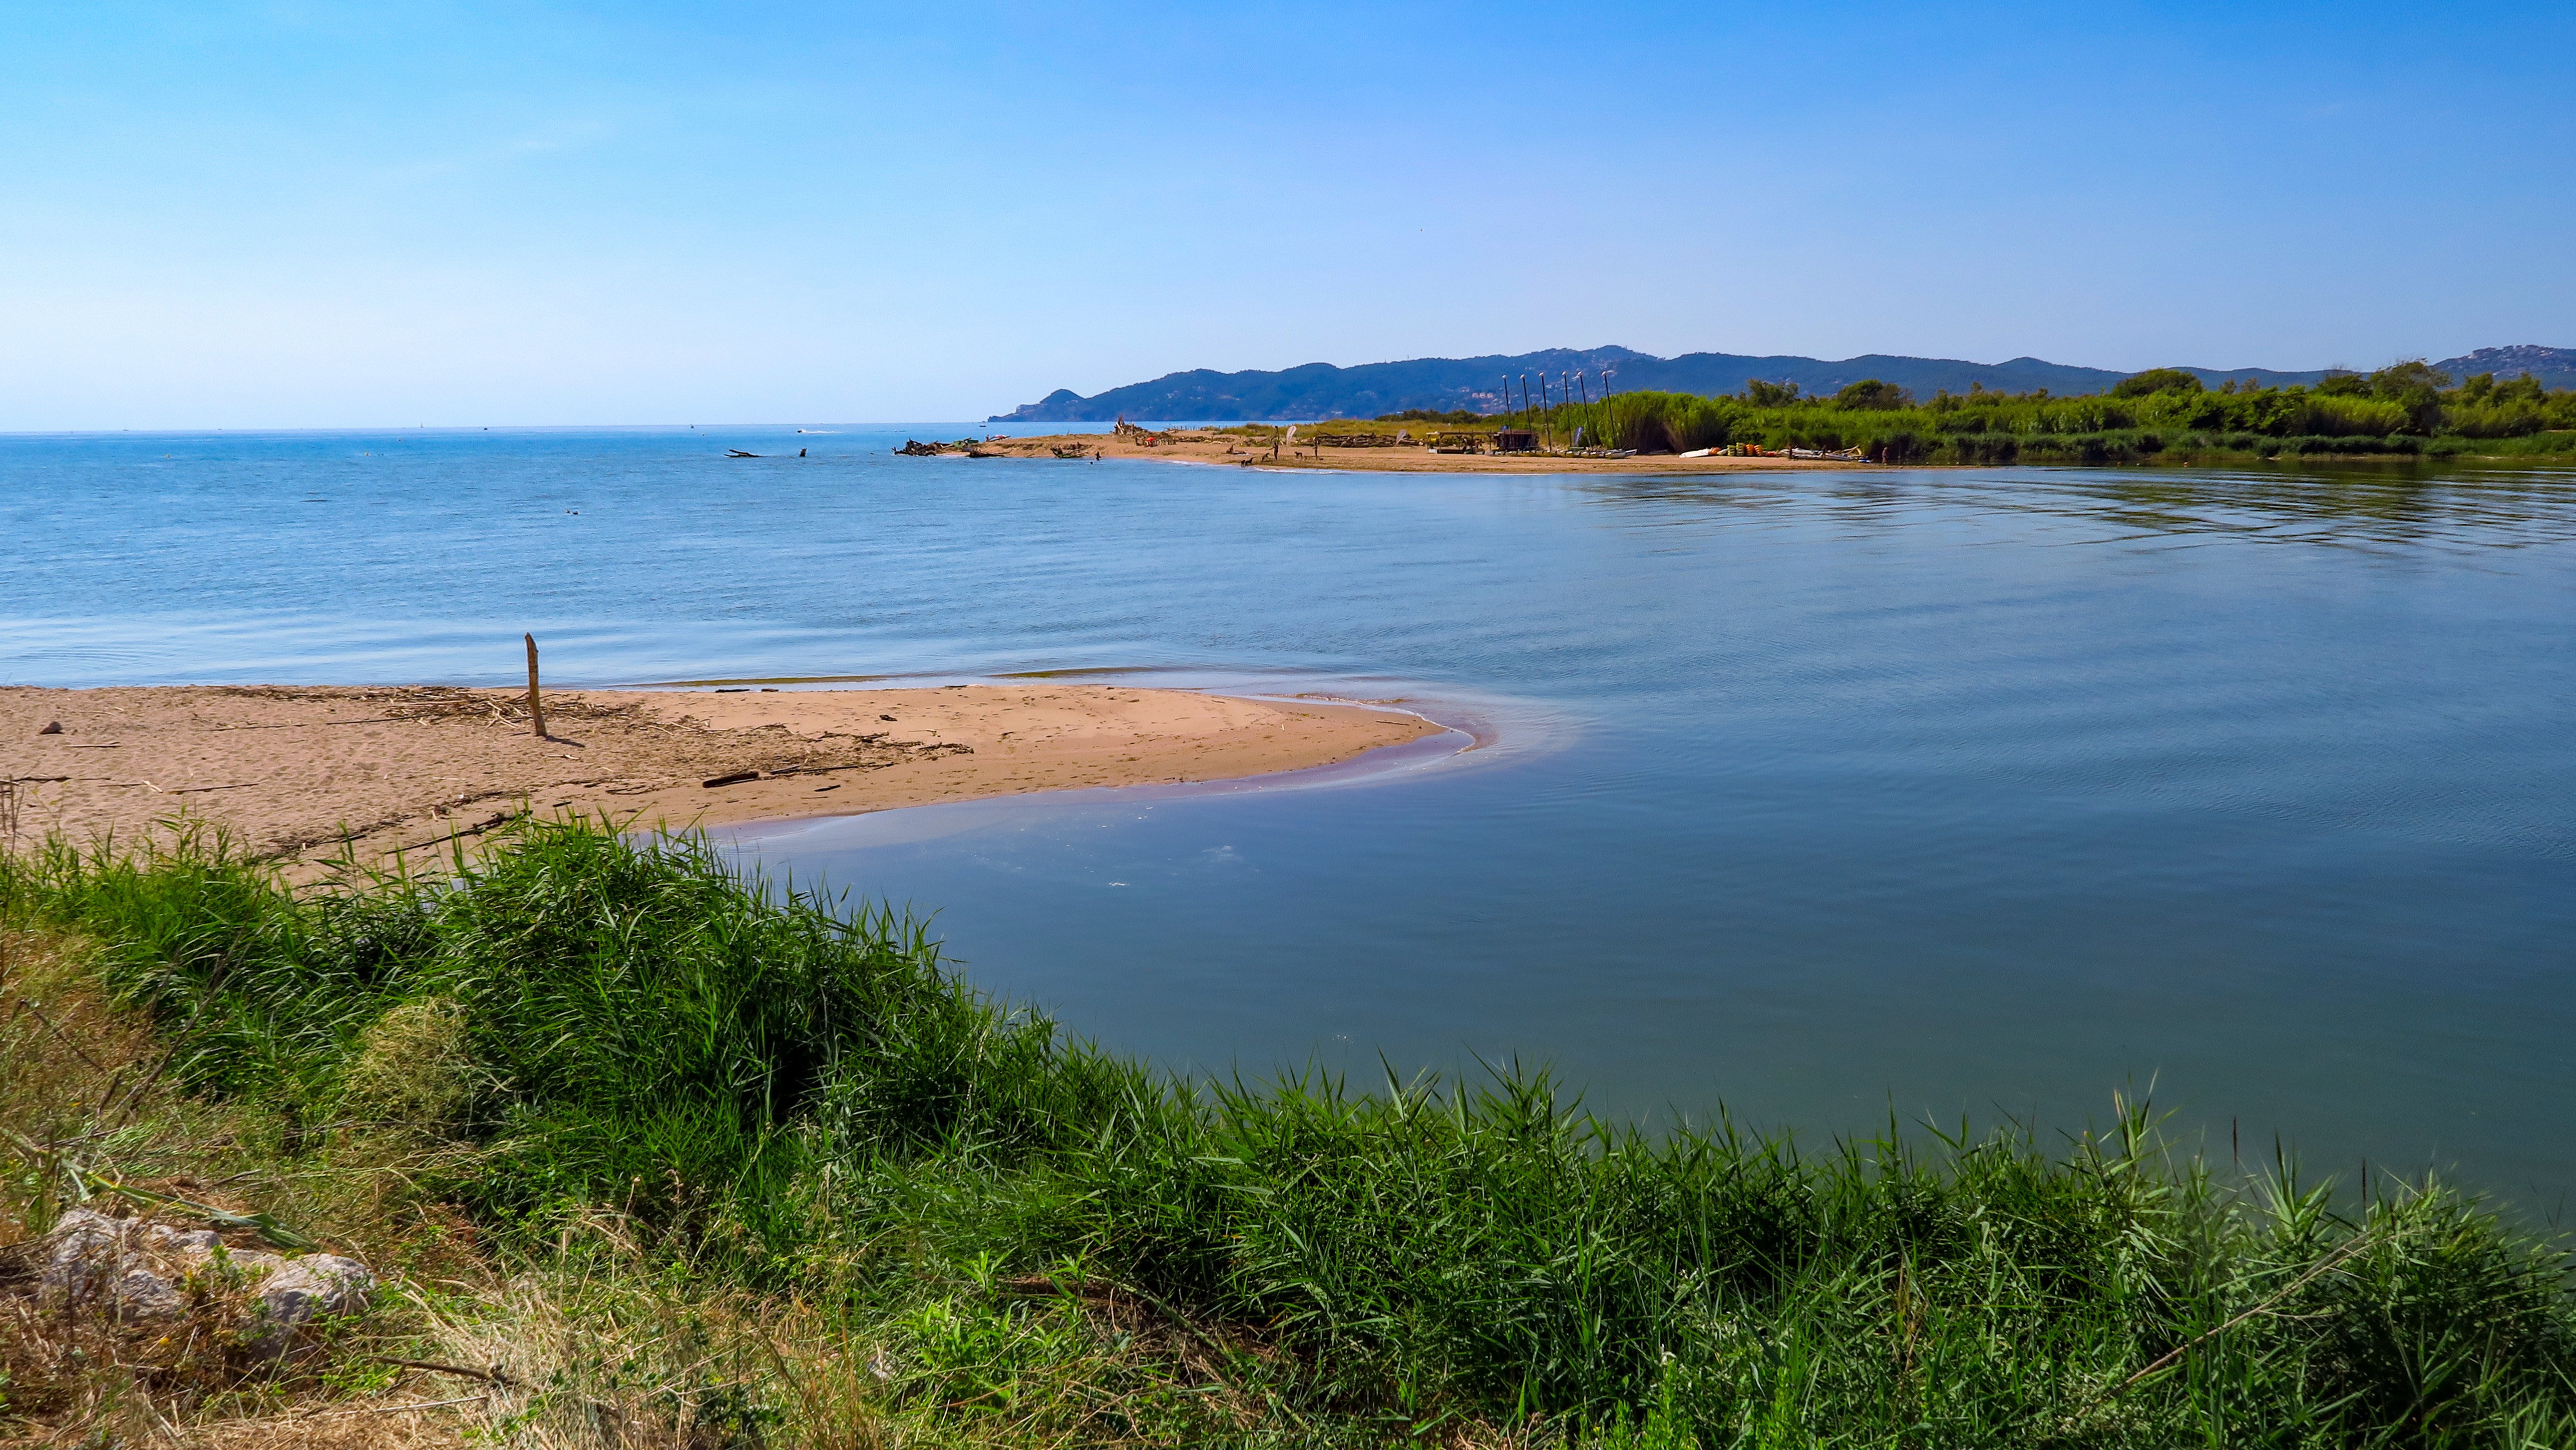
(1821, 796)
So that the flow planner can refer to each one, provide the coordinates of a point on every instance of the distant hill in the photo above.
(1322, 390)
(2554, 366)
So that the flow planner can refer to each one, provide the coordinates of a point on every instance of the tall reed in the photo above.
(1986, 427)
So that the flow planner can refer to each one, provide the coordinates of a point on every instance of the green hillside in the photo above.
(1476, 384)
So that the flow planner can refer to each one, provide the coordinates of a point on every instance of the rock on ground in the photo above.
(143, 1271)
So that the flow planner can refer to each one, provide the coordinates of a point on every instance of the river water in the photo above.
(1825, 797)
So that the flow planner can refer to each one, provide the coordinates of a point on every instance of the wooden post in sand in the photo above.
(536, 711)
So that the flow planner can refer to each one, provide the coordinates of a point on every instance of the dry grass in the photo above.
(371, 1427)
(88, 1089)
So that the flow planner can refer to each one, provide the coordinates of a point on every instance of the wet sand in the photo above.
(299, 773)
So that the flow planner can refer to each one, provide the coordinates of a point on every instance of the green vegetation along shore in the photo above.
(658, 1155)
(2407, 410)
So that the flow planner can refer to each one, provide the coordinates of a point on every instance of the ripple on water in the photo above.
(1818, 794)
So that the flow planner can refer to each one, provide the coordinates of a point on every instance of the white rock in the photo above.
(81, 1254)
(139, 1270)
(315, 1284)
(202, 1241)
(141, 1294)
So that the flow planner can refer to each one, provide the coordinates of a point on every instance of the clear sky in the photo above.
(318, 214)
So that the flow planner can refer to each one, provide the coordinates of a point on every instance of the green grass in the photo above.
(1009, 1237)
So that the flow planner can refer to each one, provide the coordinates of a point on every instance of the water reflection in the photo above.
(2359, 504)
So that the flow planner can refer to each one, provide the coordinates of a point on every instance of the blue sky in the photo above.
(315, 214)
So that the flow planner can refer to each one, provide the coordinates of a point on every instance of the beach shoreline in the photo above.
(1213, 448)
(1230, 450)
(300, 774)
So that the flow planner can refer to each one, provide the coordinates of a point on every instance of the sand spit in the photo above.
(1188, 446)
(295, 771)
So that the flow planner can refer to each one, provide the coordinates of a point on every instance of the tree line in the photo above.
(2406, 408)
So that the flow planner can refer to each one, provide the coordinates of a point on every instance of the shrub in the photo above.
(1869, 394)
(2156, 380)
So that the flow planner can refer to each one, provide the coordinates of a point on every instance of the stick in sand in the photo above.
(536, 711)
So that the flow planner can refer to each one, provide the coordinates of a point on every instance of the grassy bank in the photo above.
(677, 1151)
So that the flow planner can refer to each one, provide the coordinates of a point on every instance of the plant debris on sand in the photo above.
(645, 1153)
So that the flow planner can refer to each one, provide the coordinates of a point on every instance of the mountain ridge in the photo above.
(1476, 384)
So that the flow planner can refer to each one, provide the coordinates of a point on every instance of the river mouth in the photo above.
(1825, 797)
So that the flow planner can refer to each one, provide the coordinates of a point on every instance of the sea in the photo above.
(1822, 802)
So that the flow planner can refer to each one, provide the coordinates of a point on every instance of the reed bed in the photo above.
(790, 1181)
(2406, 410)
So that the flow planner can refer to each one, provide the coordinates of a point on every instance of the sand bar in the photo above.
(1188, 446)
(294, 771)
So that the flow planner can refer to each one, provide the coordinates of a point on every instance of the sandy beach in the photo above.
(1189, 446)
(296, 771)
